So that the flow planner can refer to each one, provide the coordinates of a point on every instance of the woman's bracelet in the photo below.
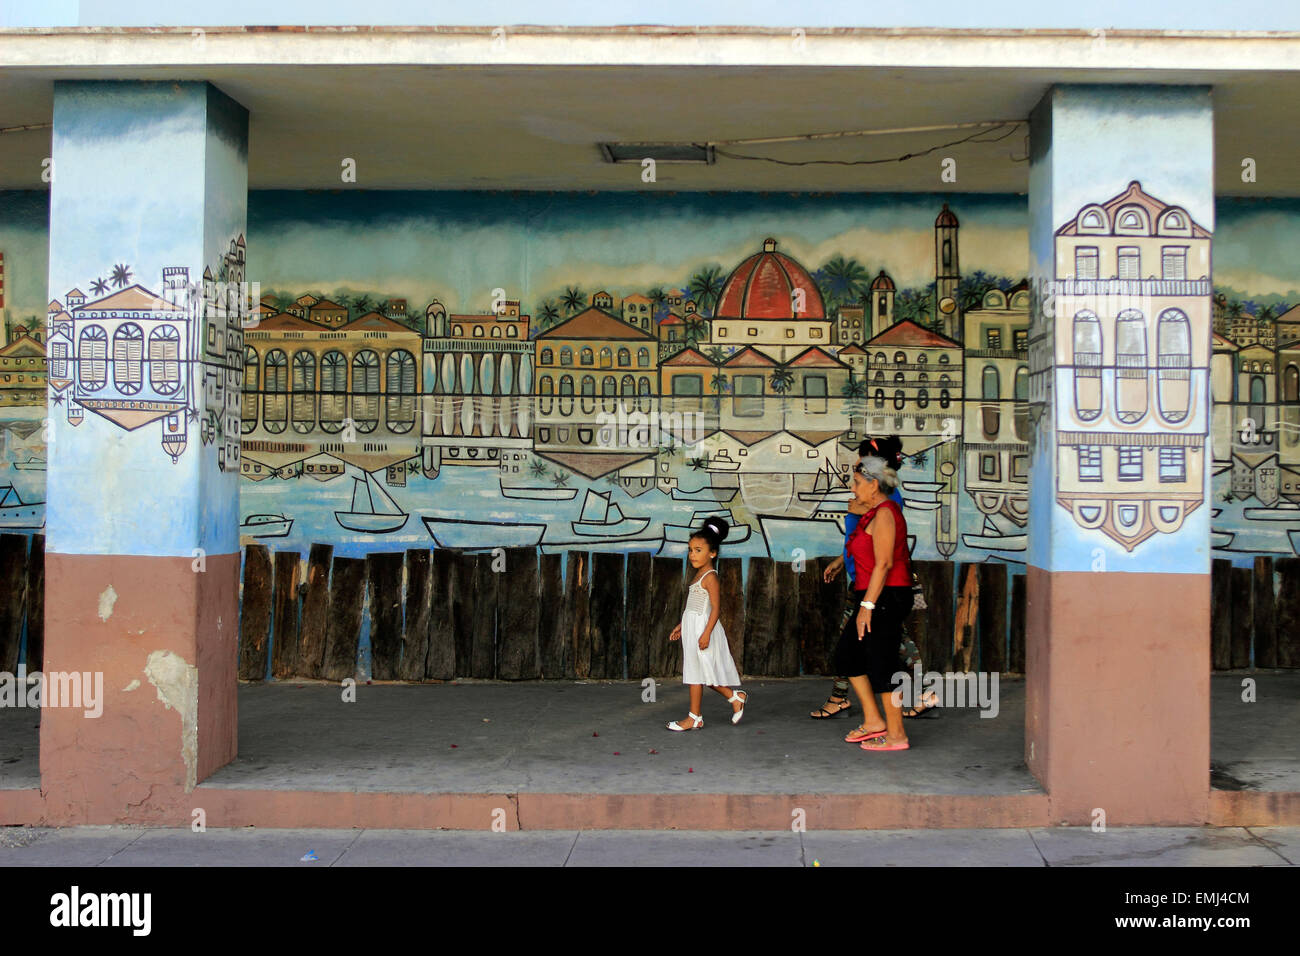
(868, 605)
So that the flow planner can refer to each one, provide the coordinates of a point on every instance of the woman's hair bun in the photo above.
(889, 448)
(718, 526)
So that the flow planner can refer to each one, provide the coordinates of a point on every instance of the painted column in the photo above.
(147, 254)
(1121, 204)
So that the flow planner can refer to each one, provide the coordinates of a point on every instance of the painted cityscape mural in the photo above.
(571, 371)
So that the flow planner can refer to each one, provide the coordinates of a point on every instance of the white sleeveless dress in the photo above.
(712, 666)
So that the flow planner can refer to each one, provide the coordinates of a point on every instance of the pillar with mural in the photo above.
(146, 269)
(1117, 656)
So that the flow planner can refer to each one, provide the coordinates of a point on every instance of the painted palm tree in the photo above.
(719, 385)
(667, 451)
(842, 281)
(1234, 309)
(1266, 314)
(717, 354)
(658, 303)
(549, 314)
(538, 469)
(361, 304)
(121, 275)
(99, 287)
(919, 459)
(700, 463)
(705, 287)
(560, 478)
(574, 300)
(855, 393)
(696, 329)
(781, 380)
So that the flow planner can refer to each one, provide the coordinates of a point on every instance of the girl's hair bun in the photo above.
(718, 526)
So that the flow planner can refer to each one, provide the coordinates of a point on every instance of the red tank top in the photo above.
(863, 551)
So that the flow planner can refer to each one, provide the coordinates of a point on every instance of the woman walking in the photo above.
(868, 649)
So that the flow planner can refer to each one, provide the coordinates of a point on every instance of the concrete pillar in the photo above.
(147, 218)
(1121, 205)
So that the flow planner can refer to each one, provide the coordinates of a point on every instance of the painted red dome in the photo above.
(882, 283)
(946, 218)
(762, 287)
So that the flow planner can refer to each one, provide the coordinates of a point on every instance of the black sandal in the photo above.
(822, 713)
(930, 710)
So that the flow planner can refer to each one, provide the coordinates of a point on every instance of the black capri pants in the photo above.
(876, 655)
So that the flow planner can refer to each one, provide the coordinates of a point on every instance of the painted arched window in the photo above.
(643, 394)
(1174, 364)
(128, 359)
(899, 378)
(547, 357)
(92, 358)
(900, 358)
(165, 360)
(608, 393)
(1087, 366)
(1258, 397)
(880, 377)
(566, 394)
(880, 398)
(399, 401)
(478, 331)
(923, 398)
(275, 401)
(566, 356)
(302, 404)
(249, 405)
(496, 331)
(990, 410)
(624, 358)
(606, 357)
(627, 387)
(881, 359)
(1130, 366)
(365, 390)
(1291, 383)
(587, 357)
(333, 391)
(643, 358)
(899, 400)
(546, 389)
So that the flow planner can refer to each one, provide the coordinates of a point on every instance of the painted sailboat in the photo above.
(603, 518)
(373, 510)
(18, 514)
(266, 526)
(993, 539)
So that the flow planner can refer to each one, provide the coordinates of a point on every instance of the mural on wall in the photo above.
(1132, 334)
(188, 338)
(448, 403)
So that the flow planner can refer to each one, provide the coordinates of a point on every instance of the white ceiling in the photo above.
(517, 126)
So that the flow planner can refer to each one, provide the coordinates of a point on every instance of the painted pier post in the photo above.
(147, 257)
(1121, 205)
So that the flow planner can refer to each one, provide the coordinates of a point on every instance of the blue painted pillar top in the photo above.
(1121, 207)
(147, 301)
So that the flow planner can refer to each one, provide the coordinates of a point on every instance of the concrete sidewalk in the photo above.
(1058, 846)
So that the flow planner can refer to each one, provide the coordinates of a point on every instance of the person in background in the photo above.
(891, 450)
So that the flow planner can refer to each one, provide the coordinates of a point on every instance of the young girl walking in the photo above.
(706, 660)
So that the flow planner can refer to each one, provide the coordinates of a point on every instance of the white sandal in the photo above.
(735, 718)
(699, 722)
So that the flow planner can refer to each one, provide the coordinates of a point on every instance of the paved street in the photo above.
(1064, 846)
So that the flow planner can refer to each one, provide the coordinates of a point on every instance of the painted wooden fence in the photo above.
(437, 615)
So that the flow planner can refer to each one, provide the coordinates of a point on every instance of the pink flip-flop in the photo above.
(855, 737)
(866, 746)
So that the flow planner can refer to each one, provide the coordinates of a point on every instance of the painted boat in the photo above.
(373, 509)
(266, 526)
(540, 494)
(463, 533)
(992, 539)
(1294, 536)
(1221, 539)
(705, 494)
(812, 537)
(681, 533)
(18, 514)
(31, 464)
(603, 518)
(1282, 511)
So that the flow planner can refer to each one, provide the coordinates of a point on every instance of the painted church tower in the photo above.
(947, 273)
